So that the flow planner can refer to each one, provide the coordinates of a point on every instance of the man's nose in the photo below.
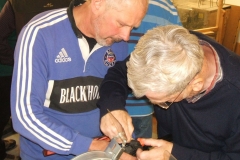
(125, 34)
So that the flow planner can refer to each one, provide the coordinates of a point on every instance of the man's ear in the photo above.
(197, 84)
(97, 6)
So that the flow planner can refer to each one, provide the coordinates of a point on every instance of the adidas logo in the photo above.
(62, 57)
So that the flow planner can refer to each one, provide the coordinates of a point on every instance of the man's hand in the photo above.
(110, 130)
(161, 149)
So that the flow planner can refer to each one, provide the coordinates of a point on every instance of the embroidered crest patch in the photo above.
(109, 58)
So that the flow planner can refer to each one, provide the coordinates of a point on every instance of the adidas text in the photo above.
(60, 60)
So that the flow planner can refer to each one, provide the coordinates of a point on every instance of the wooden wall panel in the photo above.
(230, 35)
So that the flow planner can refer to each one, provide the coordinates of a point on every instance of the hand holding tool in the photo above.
(121, 133)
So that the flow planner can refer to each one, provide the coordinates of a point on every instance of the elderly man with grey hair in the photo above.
(194, 83)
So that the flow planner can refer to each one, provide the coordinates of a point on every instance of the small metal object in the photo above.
(123, 138)
(114, 150)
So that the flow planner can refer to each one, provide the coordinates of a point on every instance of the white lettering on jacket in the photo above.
(79, 94)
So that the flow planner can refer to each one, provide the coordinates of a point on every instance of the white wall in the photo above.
(233, 2)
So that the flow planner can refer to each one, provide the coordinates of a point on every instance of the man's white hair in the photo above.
(165, 60)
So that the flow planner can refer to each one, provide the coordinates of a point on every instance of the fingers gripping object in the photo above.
(122, 136)
(120, 131)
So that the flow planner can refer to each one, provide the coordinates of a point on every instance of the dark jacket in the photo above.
(208, 129)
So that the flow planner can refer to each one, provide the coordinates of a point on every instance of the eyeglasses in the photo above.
(166, 105)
